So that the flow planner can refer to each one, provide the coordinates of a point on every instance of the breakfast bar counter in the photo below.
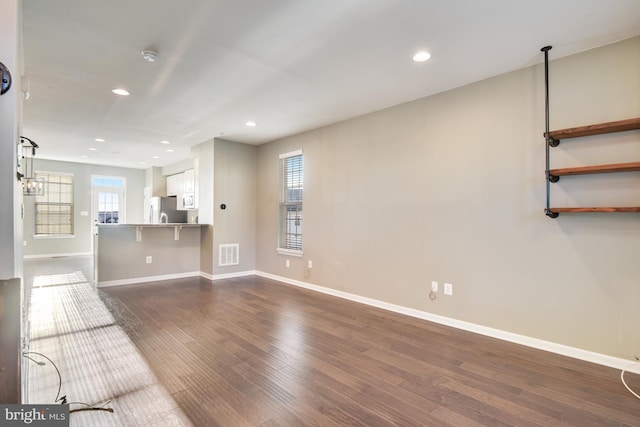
(137, 253)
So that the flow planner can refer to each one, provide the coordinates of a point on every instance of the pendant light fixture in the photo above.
(31, 186)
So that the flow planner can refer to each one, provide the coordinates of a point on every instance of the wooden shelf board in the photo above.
(584, 170)
(597, 129)
(597, 209)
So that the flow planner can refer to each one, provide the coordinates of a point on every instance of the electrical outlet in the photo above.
(287, 264)
(149, 259)
(434, 286)
(310, 264)
(448, 289)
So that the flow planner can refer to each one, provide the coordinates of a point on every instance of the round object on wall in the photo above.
(223, 206)
(5, 79)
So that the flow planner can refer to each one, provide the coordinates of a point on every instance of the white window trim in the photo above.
(290, 252)
(122, 219)
(290, 154)
(279, 250)
(73, 213)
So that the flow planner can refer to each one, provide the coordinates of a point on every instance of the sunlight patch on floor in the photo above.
(59, 279)
(98, 363)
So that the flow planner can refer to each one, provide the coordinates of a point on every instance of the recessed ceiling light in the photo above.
(169, 150)
(155, 157)
(143, 163)
(92, 149)
(149, 55)
(165, 142)
(251, 123)
(84, 157)
(422, 56)
(99, 140)
(121, 92)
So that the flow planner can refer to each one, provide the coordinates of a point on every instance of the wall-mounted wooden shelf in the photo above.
(597, 209)
(585, 170)
(555, 174)
(597, 129)
(553, 138)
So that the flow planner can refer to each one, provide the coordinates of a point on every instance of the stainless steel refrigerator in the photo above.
(159, 210)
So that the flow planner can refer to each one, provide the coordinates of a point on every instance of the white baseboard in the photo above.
(146, 279)
(206, 275)
(56, 255)
(231, 275)
(576, 353)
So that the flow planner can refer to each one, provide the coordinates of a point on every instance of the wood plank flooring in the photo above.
(73, 333)
(254, 352)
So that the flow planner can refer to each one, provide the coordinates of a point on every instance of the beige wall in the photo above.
(451, 188)
(121, 258)
(235, 186)
(156, 182)
(203, 152)
(10, 125)
(83, 225)
(13, 295)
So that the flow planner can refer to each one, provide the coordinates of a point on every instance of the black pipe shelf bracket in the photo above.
(549, 141)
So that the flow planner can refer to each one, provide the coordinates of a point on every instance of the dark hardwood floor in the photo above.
(76, 350)
(254, 352)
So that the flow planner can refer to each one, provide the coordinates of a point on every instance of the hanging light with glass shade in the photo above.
(31, 186)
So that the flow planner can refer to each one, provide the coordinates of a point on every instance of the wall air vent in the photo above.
(229, 254)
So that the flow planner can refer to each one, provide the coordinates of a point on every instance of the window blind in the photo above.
(291, 194)
(54, 209)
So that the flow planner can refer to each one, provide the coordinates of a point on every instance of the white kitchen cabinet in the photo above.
(183, 186)
(175, 184)
(186, 199)
(188, 182)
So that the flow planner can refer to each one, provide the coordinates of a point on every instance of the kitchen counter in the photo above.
(164, 224)
(136, 253)
(177, 226)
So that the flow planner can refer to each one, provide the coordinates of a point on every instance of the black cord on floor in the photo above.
(90, 407)
(63, 400)
(59, 399)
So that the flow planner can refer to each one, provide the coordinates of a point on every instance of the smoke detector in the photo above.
(149, 55)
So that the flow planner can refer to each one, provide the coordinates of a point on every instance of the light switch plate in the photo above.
(448, 289)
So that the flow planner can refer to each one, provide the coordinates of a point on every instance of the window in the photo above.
(108, 199)
(54, 209)
(291, 188)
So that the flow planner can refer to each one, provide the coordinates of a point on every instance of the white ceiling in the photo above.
(288, 65)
